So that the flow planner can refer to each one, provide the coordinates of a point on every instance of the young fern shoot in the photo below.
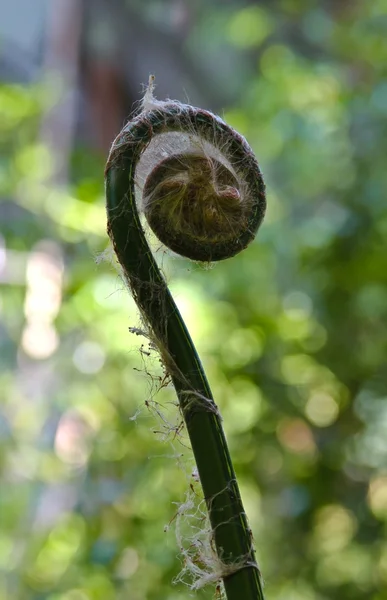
(199, 187)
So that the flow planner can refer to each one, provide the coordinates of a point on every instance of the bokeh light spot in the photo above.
(39, 340)
(296, 436)
(244, 406)
(71, 440)
(249, 27)
(334, 528)
(243, 346)
(321, 409)
(377, 497)
(298, 305)
(127, 564)
(89, 357)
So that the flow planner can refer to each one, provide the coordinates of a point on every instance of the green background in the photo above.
(292, 332)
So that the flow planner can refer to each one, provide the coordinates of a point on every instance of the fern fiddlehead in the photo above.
(202, 194)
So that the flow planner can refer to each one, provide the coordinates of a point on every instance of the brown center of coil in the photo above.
(193, 203)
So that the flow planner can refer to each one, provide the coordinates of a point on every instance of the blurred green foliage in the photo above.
(292, 333)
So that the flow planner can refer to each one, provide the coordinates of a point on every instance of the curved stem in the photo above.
(230, 530)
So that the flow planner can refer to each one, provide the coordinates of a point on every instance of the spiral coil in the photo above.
(203, 204)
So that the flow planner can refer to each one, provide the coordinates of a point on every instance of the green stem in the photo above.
(231, 533)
